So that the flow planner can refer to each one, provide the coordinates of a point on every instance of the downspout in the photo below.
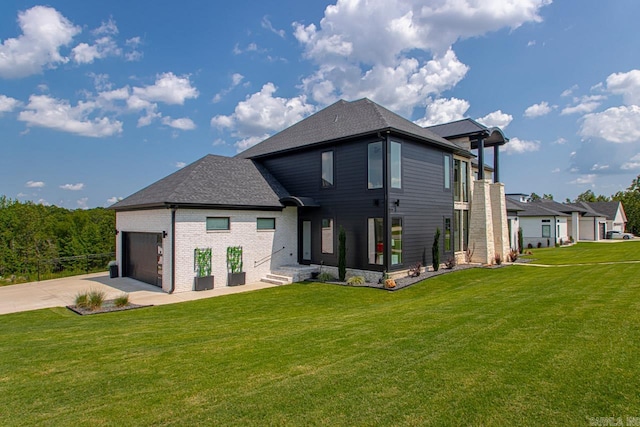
(173, 249)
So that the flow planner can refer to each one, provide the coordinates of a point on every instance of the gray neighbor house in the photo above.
(389, 183)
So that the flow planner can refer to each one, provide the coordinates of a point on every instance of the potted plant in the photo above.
(235, 274)
(202, 263)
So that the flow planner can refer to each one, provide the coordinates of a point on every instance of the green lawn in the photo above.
(588, 252)
(517, 345)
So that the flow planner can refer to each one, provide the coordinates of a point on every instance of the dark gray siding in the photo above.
(423, 201)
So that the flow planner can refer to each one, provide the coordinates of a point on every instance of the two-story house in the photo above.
(386, 181)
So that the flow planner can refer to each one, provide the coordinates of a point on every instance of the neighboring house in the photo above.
(616, 218)
(386, 181)
(543, 222)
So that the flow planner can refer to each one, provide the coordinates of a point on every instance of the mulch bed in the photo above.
(405, 282)
(107, 307)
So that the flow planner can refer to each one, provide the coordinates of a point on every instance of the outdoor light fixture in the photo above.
(397, 202)
(117, 231)
(164, 234)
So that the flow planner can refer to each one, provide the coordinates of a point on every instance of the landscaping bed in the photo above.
(108, 306)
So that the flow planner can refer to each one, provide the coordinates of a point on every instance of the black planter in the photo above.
(113, 271)
(203, 283)
(235, 279)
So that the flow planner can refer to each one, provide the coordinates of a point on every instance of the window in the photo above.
(447, 171)
(460, 181)
(374, 158)
(465, 230)
(217, 223)
(396, 165)
(457, 236)
(376, 241)
(266, 223)
(546, 230)
(447, 234)
(396, 241)
(327, 169)
(327, 236)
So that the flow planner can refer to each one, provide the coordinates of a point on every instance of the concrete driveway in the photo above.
(62, 292)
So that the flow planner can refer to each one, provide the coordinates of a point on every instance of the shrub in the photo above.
(325, 277)
(342, 254)
(539, 245)
(121, 301)
(468, 253)
(82, 300)
(415, 270)
(498, 259)
(513, 255)
(520, 240)
(450, 263)
(435, 250)
(356, 280)
(96, 298)
(529, 246)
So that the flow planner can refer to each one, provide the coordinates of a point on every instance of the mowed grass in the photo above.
(511, 346)
(587, 252)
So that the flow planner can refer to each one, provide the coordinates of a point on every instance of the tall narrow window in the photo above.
(457, 188)
(327, 169)
(374, 158)
(327, 236)
(546, 230)
(447, 234)
(464, 182)
(396, 241)
(447, 171)
(375, 241)
(457, 236)
(465, 230)
(396, 165)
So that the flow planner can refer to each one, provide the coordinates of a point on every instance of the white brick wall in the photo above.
(191, 233)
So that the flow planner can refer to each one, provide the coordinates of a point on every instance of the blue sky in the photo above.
(100, 99)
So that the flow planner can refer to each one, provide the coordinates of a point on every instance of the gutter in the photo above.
(173, 249)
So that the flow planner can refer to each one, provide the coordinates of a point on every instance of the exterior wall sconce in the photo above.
(117, 231)
(397, 202)
(164, 234)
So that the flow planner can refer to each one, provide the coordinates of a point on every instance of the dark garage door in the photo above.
(142, 257)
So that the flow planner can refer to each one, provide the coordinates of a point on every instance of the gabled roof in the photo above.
(585, 209)
(344, 120)
(471, 129)
(608, 209)
(214, 181)
(538, 208)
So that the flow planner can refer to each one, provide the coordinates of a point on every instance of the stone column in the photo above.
(499, 216)
(575, 226)
(481, 224)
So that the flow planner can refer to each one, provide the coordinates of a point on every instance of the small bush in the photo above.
(450, 263)
(530, 246)
(82, 300)
(513, 255)
(96, 298)
(121, 301)
(356, 280)
(498, 259)
(415, 270)
(539, 245)
(325, 277)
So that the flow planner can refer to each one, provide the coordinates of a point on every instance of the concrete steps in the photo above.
(277, 279)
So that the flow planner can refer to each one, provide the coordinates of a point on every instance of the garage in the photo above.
(142, 257)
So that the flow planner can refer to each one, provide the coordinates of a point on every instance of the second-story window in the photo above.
(447, 171)
(460, 181)
(396, 164)
(327, 169)
(374, 165)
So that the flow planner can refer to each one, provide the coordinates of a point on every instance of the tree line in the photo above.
(32, 233)
(630, 199)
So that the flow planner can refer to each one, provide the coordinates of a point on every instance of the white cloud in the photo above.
(569, 92)
(560, 141)
(249, 142)
(266, 24)
(519, 146)
(627, 85)
(537, 110)
(44, 32)
(556, 170)
(444, 110)
(633, 163)
(496, 119)
(180, 165)
(82, 203)
(114, 199)
(583, 105)
(7, 104)
(43, 202)
(598, 167)
(34, 184)
(168, 88)
(73, 187)
(262, 113)
(103, 47)
(531, 43)
(48, 112)
(616, 124)
(236, 79)
(584, 179)
(133, 54)
(183, 123)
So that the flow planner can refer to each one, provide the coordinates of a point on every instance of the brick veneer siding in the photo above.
(191, 233)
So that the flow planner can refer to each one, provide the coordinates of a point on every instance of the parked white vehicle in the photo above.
(614, 234)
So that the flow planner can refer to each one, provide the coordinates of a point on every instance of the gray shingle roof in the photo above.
(539, 208)
(345, 120)
(607, 209)
(458, 128)
(215, 181)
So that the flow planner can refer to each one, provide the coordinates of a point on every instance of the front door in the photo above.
(306, 242)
